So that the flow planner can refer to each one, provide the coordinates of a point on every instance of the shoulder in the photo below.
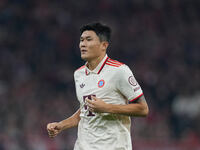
(114, 63)
(116, 67)
(79, 70)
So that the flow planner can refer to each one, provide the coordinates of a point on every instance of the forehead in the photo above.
(88, 33)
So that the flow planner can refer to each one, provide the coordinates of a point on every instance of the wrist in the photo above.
(61, 125)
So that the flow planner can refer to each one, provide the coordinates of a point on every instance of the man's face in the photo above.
(90, 45)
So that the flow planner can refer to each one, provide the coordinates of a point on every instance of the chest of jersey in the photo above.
(100, 85)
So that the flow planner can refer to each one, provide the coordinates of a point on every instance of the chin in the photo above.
(84, 57)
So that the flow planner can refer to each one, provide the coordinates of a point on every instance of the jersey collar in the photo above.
(98, 69)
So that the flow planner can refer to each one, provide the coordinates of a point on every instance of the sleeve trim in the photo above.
(136, 98)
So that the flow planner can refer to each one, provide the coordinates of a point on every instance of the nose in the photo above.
(82, 44)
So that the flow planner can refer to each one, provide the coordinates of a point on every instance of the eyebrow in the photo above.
(85, 37)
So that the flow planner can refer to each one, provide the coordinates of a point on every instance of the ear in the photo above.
(104, 45)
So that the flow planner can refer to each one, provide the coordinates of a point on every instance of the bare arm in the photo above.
(56, 127)
(138, 108)
(71, 121)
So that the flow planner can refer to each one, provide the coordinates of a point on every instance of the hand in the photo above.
(53, 129)
(97, 105)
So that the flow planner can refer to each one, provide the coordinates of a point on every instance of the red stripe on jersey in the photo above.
(86, 71)
(81, 67)
(136, 98)
(113, 65)
(102, 66)
(114, 62)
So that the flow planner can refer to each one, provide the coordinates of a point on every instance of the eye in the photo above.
(89, 39)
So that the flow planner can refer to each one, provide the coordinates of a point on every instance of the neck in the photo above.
(93, 63)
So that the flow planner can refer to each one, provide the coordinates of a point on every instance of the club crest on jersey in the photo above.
(101, 83)
(132, 81)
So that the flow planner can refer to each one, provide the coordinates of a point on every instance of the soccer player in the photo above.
(108, 94)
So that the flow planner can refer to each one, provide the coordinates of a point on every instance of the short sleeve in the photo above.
(127, 84)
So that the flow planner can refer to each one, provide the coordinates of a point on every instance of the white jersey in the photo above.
(114, 83)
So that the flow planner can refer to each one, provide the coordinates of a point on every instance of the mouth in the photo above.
(83, 51)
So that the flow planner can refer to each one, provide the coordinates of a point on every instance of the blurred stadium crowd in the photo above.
(158, 40)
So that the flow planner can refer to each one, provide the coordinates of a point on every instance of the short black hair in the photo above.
(102, 31)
